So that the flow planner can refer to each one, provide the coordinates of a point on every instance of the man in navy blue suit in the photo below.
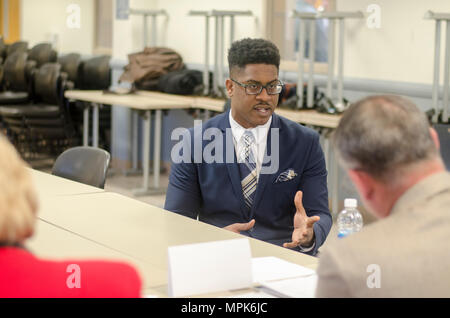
(249, 170)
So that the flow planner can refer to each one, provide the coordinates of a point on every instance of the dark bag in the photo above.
(184, 82)
(288, 97)
(146, 67)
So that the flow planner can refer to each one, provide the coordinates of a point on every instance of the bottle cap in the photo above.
(350, 203)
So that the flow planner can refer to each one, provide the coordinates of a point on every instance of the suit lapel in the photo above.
(231, 162)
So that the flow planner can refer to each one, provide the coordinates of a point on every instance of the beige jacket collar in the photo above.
(422, 191)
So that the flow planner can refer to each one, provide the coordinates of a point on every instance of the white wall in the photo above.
(185, 33)
(402, 49)
(128, 34)
(40, 19)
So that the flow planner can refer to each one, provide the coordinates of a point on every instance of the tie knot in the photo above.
(248, 138)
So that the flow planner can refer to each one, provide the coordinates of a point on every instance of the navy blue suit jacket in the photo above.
(213, 193)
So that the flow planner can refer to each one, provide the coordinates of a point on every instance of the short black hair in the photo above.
(253, 51)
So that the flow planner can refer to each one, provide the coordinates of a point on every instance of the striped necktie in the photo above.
(247, 169)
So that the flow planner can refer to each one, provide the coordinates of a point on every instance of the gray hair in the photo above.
(382, 134)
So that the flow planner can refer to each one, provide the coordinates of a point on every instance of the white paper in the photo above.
(253, 295)
(300, 287)
(274, 268)
(209, 267)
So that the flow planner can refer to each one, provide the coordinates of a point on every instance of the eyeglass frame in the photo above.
(262, 86)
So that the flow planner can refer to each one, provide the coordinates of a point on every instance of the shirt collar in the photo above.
(260, 132)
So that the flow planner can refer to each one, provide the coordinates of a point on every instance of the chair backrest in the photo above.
(1, 77)
(87, 165)
(71, 64)
(42, 53)
(443, 131)
(19, 46)
(47, 84)
(3, 49)
(15, 71)
(96, 73)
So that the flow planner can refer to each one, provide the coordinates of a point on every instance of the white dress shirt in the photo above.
(258, 148)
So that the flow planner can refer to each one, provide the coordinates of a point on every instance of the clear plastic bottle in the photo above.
(349, 220)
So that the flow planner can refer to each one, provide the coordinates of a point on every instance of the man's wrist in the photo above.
(308, 246)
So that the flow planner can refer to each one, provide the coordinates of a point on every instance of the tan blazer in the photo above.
(404, 255)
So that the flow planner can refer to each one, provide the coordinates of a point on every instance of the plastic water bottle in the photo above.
(349, 220)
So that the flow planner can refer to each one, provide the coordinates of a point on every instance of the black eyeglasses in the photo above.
(273, 88)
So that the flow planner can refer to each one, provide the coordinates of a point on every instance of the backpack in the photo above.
(146, 67)
(184, 82)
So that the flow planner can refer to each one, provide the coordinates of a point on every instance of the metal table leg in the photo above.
(437, 56)
(156, 189)
(95, 124)
(216, 58)
(154, 31)
(335, 186)
(300, 60)
(331, 37)
(145, 155)
(445, 104)
(221, 49)
(86, 125)
(312, 58)
(157, 152)
(206, 67)
(326, 146)
(340, 83)
(134, 146)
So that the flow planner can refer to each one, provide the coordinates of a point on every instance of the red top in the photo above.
(22, 275)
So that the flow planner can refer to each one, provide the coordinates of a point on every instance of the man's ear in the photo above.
(364, 183)
(230, 87)
(435, 137)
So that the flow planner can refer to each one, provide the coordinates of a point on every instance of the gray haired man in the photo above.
(392, 156)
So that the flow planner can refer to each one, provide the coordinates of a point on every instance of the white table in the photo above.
(103, 225)
(52, 242)
(47, 184)
(142, 231)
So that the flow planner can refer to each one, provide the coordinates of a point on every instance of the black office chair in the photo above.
(19, 46)
(87, 165)
(16, 86)
(45, 126)
(3, 49)
(17, 72)
(42, 53)
(95, 74)
(71, 65)
(443, 131)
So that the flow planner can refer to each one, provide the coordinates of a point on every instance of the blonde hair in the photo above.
(18, 201)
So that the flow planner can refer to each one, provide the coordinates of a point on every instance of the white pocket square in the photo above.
(286, 176)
